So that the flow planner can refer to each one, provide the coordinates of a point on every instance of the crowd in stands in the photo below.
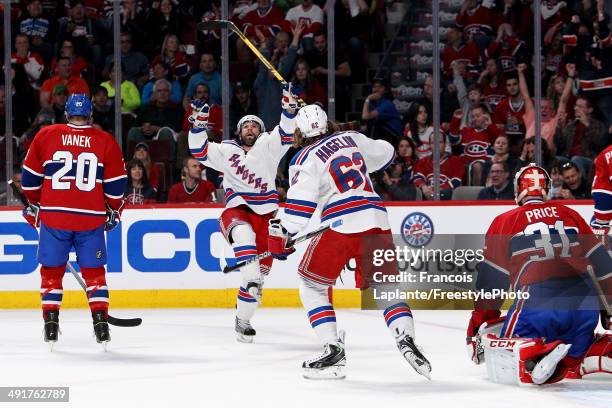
(61, 47)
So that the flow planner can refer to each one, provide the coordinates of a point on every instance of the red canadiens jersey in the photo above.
(451, 172)
(269, 23)
(506, 52)
(602, 185)
(74, 172)
(202, 193)
(493, 95)
(505, 110)
(475, 144)
(468, 53)
(539, 241)
(479, 21)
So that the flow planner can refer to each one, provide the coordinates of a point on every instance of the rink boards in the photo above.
(169, 256)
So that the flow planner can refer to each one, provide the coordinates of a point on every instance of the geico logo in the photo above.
(502, 343)
(150, 246)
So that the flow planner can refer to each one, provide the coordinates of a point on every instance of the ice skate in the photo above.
(51, 329)
(413, 355)
(546, 367)
(244, 331)
(330, 365)
(101, 330)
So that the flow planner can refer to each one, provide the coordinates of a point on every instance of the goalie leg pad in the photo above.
(599, 357)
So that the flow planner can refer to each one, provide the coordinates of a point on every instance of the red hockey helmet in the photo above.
(531, 181)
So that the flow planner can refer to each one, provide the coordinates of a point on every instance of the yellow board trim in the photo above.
(212, 298)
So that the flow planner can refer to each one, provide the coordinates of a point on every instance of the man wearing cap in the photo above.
(63, 77)
(58, 104)
(243, 103)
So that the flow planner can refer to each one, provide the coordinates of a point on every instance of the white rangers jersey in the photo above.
(333, 173)
(248, 178)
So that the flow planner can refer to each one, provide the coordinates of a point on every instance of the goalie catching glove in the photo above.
(279, 240)
(199, 114)
(481, 323)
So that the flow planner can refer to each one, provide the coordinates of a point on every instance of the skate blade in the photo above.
(330, 373)
(104, 345)
(420, 366)
(546, 367)
(244, 339)
(51, 344)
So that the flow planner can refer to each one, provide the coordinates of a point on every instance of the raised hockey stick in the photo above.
(219, 24)
(291, 243)
(115, 321)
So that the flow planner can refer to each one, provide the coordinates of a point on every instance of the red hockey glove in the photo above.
(601, 229)
(479, 318)
(278, 240)
(30, 213)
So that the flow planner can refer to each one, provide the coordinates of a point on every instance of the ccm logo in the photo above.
(502, 343)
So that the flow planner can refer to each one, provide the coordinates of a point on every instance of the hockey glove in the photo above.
(113, 218)
(478, 319)
(279, 241)
(290, 95)
(30, 213)
(199, 114)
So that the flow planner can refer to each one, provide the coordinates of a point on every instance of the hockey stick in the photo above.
(115, 321)
(220, 24)
(291, 243)
(602, 296)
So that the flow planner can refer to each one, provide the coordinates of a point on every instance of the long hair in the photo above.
(414, 125)
(301, 141)
(308, 82)
(137, 163)
(164, 46)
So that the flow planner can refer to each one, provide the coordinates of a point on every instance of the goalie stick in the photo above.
(606, 312)
(115, 321)
(291, 243)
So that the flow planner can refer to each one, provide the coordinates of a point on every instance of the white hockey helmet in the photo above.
(312, 121)
(250, 118)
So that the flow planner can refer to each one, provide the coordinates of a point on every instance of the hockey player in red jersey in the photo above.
(74, 177)
(602, 194)
(542, 252)
(332, 171)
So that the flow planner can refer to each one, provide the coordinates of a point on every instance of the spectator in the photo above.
(267, 87)
(138, 190)
(582, 139)
(556, 181)
(208, 75)
(518, 14)
(501, 188)
(88, 36)
(398, 177)
(176, 59)
(313, 90)
(555, 88)
(58, 104)
(192, 189)
(527, 156)
(467, 98)
(508, 114)
(64, 77)
(575, 186)
(475, 139)
(317, 60)
(215, 114)
(550, 117)
(451, 173)
(476, 20)
(506, 48)
(79, 64)
(243, 103)
(130, 97)
(162, 20)
(141, 152)
(419, 131)
(38, 29)
(43, 118)
(354, 19)
(32, 62)
(311, 16)
(458, 50)
(161, 70)
(132, 19)
(24, 101)
(492, 83)
(135, 63)
(102, 110)
(501, 154)
(159, 119)
(447, 104)
(266, 17)
(383, 119)
(16, 177)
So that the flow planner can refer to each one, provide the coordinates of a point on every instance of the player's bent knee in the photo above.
(241, 233)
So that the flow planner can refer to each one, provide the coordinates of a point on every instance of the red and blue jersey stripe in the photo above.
(299, 158)
(244, 296)
(269, 197)
(31, 180)
(351, 205)
(98, 293)
(396, 311)
(200, 153)
(51, 296)
(301, 208)
(320, 315)
(286, 138)
(245, 252)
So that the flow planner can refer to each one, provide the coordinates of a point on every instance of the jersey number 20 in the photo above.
(84, 181)
(349, 173)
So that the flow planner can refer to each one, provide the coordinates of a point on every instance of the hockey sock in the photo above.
(51, 290)
(244, 247)
(321, 315)
(398, 317)
(97, 291)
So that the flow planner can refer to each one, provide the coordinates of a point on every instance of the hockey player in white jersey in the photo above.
(249, 167)
(331, 172)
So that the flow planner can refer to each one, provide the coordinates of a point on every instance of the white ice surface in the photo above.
(190, 358)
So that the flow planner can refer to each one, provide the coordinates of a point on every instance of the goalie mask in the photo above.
(249, 136)
(312, 121)
(531, 182)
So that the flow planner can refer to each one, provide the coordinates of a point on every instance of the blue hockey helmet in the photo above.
(78, 105)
